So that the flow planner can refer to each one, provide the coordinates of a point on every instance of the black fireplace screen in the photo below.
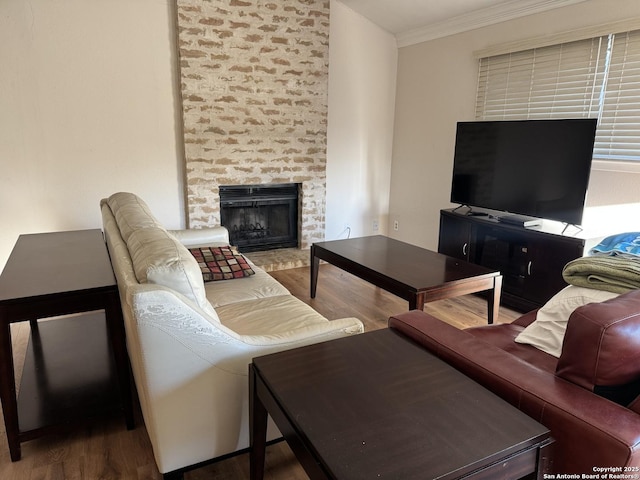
(260, 217)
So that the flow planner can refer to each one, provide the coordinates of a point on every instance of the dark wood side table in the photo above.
(51, 275)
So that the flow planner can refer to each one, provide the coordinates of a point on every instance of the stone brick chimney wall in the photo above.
(254, 99)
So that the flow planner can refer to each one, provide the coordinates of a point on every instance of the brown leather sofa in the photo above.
(588, 397)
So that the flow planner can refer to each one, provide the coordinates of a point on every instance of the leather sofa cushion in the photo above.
(502, 335)
(161, 259)
(157, 256)
(601, 350)
(278, 319)
(131, 213)
(260, 285)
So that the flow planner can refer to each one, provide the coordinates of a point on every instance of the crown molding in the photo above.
(591, 31)
(480, 18)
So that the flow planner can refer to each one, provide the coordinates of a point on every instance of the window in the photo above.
(594, 78)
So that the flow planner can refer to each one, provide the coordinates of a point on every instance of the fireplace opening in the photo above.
(260, 217)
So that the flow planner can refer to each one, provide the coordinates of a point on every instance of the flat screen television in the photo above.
(536, 168)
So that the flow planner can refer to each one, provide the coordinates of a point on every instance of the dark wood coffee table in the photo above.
(377, 405)
(413, 273)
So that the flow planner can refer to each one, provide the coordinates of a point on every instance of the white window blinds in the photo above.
(594, 78)
(618, 135)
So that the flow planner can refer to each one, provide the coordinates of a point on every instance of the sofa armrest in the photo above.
(210, 236)
(589, 430)
(601, 349)
(526, 319)
(191, 375)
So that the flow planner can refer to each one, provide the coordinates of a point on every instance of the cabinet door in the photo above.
(544, 269)
(455, 237)
(531, 263)
(506, 251)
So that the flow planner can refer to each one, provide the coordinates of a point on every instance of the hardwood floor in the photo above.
(106, 450)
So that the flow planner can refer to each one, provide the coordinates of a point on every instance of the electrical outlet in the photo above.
(375, 225)
(395, 225)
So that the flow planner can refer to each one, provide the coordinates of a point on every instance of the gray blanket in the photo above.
(610, 273)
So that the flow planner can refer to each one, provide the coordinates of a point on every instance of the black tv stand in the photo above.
(530, 259)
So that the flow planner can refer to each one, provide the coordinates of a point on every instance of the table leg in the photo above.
(8, 390)
(416, 301)
(493, 301)
(257, 430)
(544, 458)
(315, 266)
(117, 337)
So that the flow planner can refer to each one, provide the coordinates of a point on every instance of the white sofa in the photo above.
(190, 342)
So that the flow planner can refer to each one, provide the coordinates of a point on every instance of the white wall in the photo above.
(88, 107)
(436, 87)
(362, 75)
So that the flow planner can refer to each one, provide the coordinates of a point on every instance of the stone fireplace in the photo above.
(254, 103)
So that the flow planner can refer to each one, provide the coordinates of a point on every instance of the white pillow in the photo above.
(546, 333)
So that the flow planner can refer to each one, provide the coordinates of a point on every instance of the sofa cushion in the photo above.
(160, 259)
(221, 263)
(502, 335)
(260, 285)
(547, 332)
(131, 213)
(602, 348)
(279, 319)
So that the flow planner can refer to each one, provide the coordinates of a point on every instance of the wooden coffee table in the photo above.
(413, 273)
(377, 405)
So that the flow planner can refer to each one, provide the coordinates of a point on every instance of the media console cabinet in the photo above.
(530, 259)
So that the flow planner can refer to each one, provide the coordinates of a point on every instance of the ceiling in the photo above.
(414, 21)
